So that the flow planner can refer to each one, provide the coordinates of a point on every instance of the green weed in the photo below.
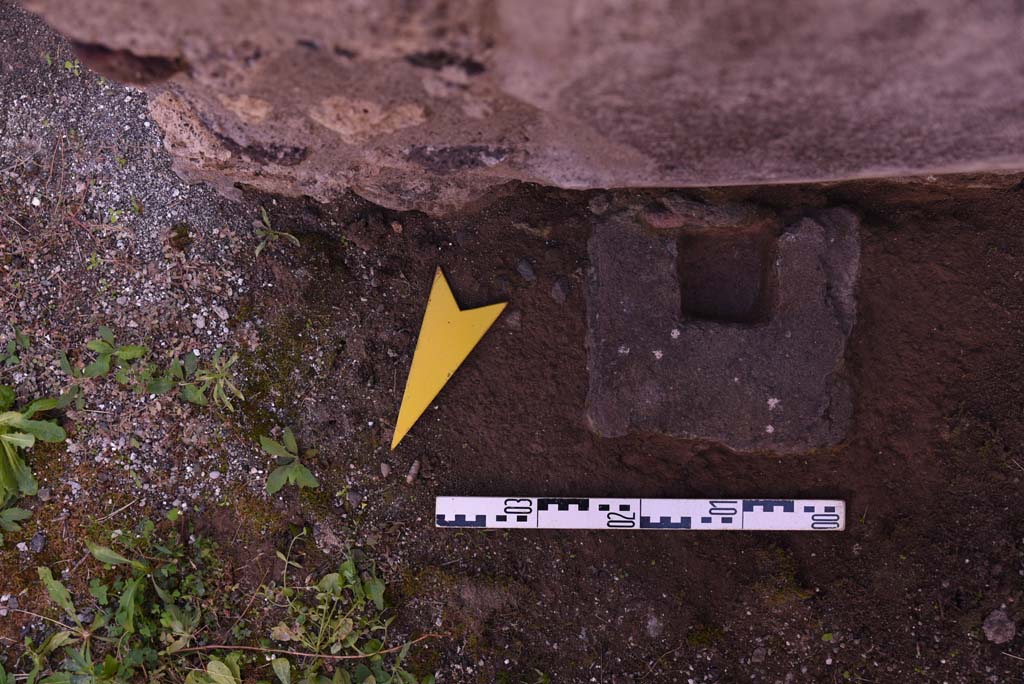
(151, 609)
(19, 431)
(217, 379)
(268, 235)
(149, 617)
(18, 341)
(109, 355)
(195, 384)
(289, 470)
(343, 613)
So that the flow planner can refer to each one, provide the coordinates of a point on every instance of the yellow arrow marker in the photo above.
(447, 336)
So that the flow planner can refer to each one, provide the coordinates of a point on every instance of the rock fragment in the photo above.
(999, 628)
(738, 332)
(525, 269)
(560, 290)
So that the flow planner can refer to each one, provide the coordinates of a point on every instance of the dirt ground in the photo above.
(932, 469)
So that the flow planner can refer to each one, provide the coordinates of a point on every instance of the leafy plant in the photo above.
(19, 431)
(215, 377)
(74, 66)
(149, 614)
(19, 340)
(218, 671)
(343, 613)
(195, 384)
(268, 235)
(177, 374)
(289, 470)
(111, 355)
(146, 614)
(9, 519)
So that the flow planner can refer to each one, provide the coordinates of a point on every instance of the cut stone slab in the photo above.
(730, 334)
(432, 104)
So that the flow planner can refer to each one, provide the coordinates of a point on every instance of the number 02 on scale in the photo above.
(566, 513)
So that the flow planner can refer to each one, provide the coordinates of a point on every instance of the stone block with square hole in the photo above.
(730, 333)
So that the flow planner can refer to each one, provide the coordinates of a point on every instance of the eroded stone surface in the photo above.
(427, 105)
(756, 364)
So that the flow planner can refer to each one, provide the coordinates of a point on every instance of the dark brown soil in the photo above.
(932, 469)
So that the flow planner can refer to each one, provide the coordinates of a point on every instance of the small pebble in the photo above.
(560, 290)
(999, 628)
(385, 470)
(514, 320)
(598, 204)
(414, 472)
(44, 494)
(525, 269)
(37, 543)
(214, 474)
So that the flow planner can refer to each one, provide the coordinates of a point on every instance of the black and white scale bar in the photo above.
(489, 512)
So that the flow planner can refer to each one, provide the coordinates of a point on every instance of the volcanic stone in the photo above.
(730, 334)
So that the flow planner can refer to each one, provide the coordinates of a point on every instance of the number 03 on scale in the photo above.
(560, 513)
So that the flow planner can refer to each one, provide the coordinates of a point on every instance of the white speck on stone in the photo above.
(214, 474)
(623, 349)
(769, 429)
(675, 333)
(772, 403)
(658, 354)
(36, 201)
